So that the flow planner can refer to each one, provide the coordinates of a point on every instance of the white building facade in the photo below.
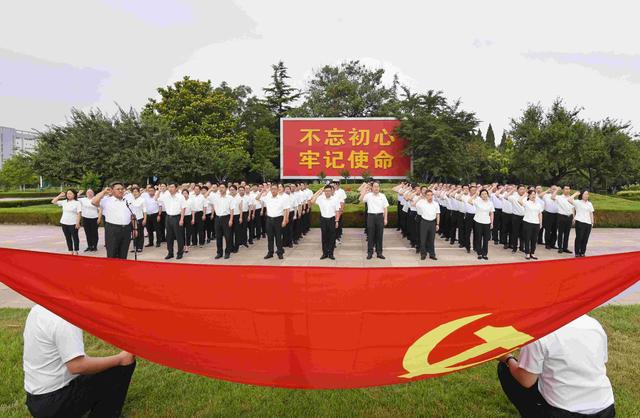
(13, 141)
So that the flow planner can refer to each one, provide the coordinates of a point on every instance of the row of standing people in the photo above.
(514, 216)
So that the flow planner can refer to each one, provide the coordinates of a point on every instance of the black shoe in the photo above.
(423, 257)
(479, 257)
(484, 257)
(226, 256)
(433, 257)
(533, 257)
(331, 257)
(460, 246)
(168, 256)
(149, 245)
(417, 250)
(548, 247)
(218, 256)
(179, 256)
(132, 251)
(468, 251)
(560, 251)
(566, 251)
(380, 256)
(514, 251)
(526, 257)
(578, 255)
(280, 257)
(87, 249)
(250, 242)
(553, 247)
(506, 247)
(369, 256)
(266, 257)
(158, 245)
(324, 256)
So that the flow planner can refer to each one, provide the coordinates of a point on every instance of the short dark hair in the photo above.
(172, 183)
(520, 185)
(204, 188)
(483, 190)
(135, 188)
(115, 183)
(233, 186)
(328, 187)
(75, 193)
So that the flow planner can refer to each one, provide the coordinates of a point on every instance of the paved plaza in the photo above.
(351, 253)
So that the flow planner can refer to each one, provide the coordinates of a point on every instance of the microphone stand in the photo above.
(134, 228)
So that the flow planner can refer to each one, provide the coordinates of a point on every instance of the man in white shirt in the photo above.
(277, 214)
(341, 195)
(550, 218)
(287, 230)
(497, 214)
(330, 212)
(377, 207)
(505, 231)
(162, 214)
(61, 380)
(153, 226)
(140, 211)
(119, 220)
(174, 206)
(565, 219)
(91, 217)
(236, 228)
(255, 215)
(569, 366)
(517, 214)
(199, 202)
(245, 203)
(429, 211)
(222, 208)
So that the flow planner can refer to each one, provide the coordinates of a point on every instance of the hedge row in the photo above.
(604, 219)
(23, 203)
(629, 194)
(50, 195)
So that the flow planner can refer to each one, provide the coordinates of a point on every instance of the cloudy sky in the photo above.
(496, 56)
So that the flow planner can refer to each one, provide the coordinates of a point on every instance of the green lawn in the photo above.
(157, 391)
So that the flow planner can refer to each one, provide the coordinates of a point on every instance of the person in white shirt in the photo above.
(531, 222)
(209, 216)
(153, 226)
(540, 202)
(287, 230)
(377, 211)
(138, 205)
(61, 380)
(469, 214)
(505, 231)
(174, 206)
(119, 220)
(330, 212)
(162, 214)
(277, 214)
(483, 221)
(236, 207)
(341, 195)
(255, 214)
(550, 217)
(222, 208)
(497, 214)
(91, 218)
(565, 219)
(70, 220)
(189, 218)
(583, 222)
(244, 220)
(517, 214)
(197, 216)
(429, 212)
(563, 374)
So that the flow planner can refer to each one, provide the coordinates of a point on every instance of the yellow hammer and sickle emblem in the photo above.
(416, 359)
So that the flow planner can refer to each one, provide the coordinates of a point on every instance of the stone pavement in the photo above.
(351, 253)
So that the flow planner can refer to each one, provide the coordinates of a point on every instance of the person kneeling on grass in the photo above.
(562, 374)
(60, 380)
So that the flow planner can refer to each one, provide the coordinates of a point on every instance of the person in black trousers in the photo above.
(174, 207)
(429, 223)
(330, 207)
(550, 218)
(70, 220)
(244, 216)
(153, 225)
(497, 214)
(222, 213)
(583, 222)
(235, 227)
(91, 218)
(198, 217)
(483, 221)
(531, 222)
(189, 220)
(138, 206)
(162, 216)
(119, 221)
(377, 211)
(277, 214)
(565, 218)
(516, 242)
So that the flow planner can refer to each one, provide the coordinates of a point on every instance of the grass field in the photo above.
(157, 391)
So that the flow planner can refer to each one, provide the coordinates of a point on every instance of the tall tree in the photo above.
(279, 95)
(491, 138)
(265, 150)
(18, 171)
(503, 139)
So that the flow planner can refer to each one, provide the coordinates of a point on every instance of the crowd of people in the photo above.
(517, 217)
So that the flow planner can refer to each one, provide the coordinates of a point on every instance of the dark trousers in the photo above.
(163, 227)
(550, 222)
(541, 230)
(530, 403)
(90, 226)
(444, 221)
(235, 233)
(287, 231)
(583, 230)
(468, 229)
(71, 236)
(497, 225)
(257, 224)
(328, 233)
(274, 234)
(339, 229)
(412, 228)
(244, 228)
(398, 212)
(117, 239)
(175, 232)
(530, 235)
(375, 231)
(101, 394)
(564, 228)
(515, 237)
(482, 235)
(458, 225)
(153, 227)
(505, 229)
(427, 238)
(139, 240)
(223, 230)
(188, 229)
(297, 229)
(198, 229)
(209, 226)
(263, 222)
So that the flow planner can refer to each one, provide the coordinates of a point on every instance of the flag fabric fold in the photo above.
(317, 327)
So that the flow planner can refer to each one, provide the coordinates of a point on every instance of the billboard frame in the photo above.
(283, 177)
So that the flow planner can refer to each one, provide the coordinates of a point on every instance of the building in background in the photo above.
(13, 141)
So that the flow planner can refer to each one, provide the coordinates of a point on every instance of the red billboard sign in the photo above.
(309, 146)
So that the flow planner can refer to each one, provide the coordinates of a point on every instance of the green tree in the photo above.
(491, 138)
(345, 175)
(503, 140)
(347, 90)
(265, 150)
(279, 95)
(18, 171)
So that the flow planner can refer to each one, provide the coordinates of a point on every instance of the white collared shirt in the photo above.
(531, 212)
(564, 206)
(340, 195)
(88, 210)
(70, 211)
(275, 205)
(139, 207)
(507, 207)
(236, 201)
(497, 202)
(375, 202)
(550, 205)
(516, 209)
(328, 207)
(483, 210)
(115, 210)
(427, 210)
(221, 205)
(152, 204)
(173, 204)
(583, 211)
(198, 202)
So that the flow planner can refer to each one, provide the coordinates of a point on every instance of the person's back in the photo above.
(569, 365)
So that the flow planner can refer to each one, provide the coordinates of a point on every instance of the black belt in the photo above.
(275, 217)
(175, 216)
(432, 220)
(375, 214)
(116, 225)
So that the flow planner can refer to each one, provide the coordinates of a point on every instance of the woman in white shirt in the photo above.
(91, 217)
(189, 220)
(583, 221)
(483, 222)
(532, 222)
(70, 220)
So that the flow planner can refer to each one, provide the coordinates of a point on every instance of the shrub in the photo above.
(629, 194)
(23, 203)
